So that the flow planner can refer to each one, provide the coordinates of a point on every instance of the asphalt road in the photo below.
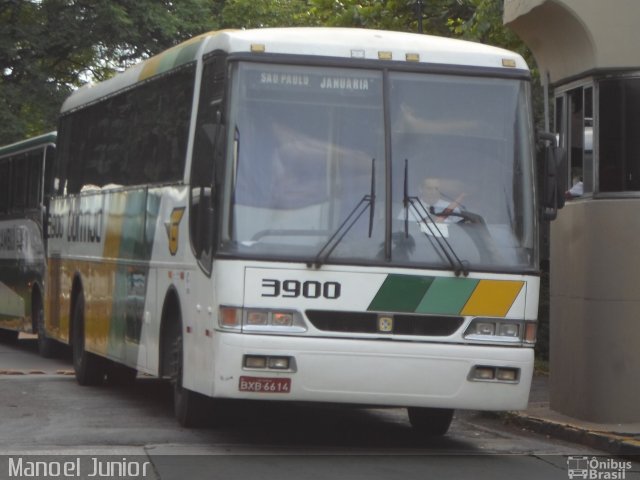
(46, 416)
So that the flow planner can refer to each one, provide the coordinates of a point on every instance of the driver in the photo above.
(441, 209)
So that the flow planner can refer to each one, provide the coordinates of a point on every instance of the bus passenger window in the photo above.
(19, 182)
(34, 193)
(5, 186)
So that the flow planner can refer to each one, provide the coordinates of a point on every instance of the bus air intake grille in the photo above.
(367, 322)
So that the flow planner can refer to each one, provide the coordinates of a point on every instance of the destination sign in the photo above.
(315, 82)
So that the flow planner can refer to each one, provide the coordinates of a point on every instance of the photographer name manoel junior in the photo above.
(99, 467)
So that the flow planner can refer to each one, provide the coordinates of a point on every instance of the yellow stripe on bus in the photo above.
(100, 279)
(114, 226)
(171, 58)
(99, 297)
(492, 298)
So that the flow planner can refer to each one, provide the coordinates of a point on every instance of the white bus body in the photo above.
(241, 214)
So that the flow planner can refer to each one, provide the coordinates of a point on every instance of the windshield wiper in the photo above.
(368, 201)
(433, 233)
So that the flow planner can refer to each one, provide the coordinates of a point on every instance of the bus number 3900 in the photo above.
(295, 288)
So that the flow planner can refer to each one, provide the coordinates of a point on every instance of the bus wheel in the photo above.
(188, 406)
(120, 375)
(9, 336)
(46, 346)
(89, 368)
(430, 421)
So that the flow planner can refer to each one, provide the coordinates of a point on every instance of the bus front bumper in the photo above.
(371, 372)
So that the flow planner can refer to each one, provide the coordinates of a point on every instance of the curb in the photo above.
(613, 443)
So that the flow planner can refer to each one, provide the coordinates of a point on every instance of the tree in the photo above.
(49, 47)
(400, 15)
(263, 13)
(483, 23)
(28, 97)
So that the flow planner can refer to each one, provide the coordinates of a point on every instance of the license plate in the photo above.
(265, 385)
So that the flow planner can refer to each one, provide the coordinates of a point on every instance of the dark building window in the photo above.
(619, 124)
(574, 126)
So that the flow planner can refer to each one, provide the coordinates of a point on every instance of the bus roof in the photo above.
(311, 41)
(28, 144)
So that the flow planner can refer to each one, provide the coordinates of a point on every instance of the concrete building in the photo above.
(587, 50)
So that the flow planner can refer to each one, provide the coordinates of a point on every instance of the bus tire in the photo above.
(188, 406)
(430, 421)
(120, 375)
(9, 336)
(89, 368)
(46, 346)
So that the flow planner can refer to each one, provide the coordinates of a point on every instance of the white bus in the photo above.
(25, 178)
(243, 214)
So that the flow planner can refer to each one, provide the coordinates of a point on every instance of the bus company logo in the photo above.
(597, 468)
(385, 324)
(173, 229)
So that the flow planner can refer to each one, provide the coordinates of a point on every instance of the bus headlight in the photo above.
(230, 318)
(254, 320)
(509, 330)
(282, 319)
(485, 328)
(488, 373)
(256, 317)
(267, 362)
(500, 330)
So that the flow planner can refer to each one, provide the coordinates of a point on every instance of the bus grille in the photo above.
(366, 322)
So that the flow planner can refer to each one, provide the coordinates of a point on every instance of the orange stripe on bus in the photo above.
(492, 298)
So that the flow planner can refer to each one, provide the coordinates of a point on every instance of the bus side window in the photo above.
(49, 168)
(34, 181)
(19, 182)
(5, 186)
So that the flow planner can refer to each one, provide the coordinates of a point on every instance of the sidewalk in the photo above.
(617, 439)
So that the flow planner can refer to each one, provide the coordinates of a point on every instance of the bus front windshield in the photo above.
(320, 166)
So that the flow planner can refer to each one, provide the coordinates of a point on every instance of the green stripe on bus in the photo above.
(188, 53)
(132, 244)
(401, 293)
(447, 296)
(138, 209)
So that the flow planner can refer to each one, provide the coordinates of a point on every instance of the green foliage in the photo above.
(48, 47)
(28, 96)
(264, 13)
(388, 15)
(400, 15)
(483, 23)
